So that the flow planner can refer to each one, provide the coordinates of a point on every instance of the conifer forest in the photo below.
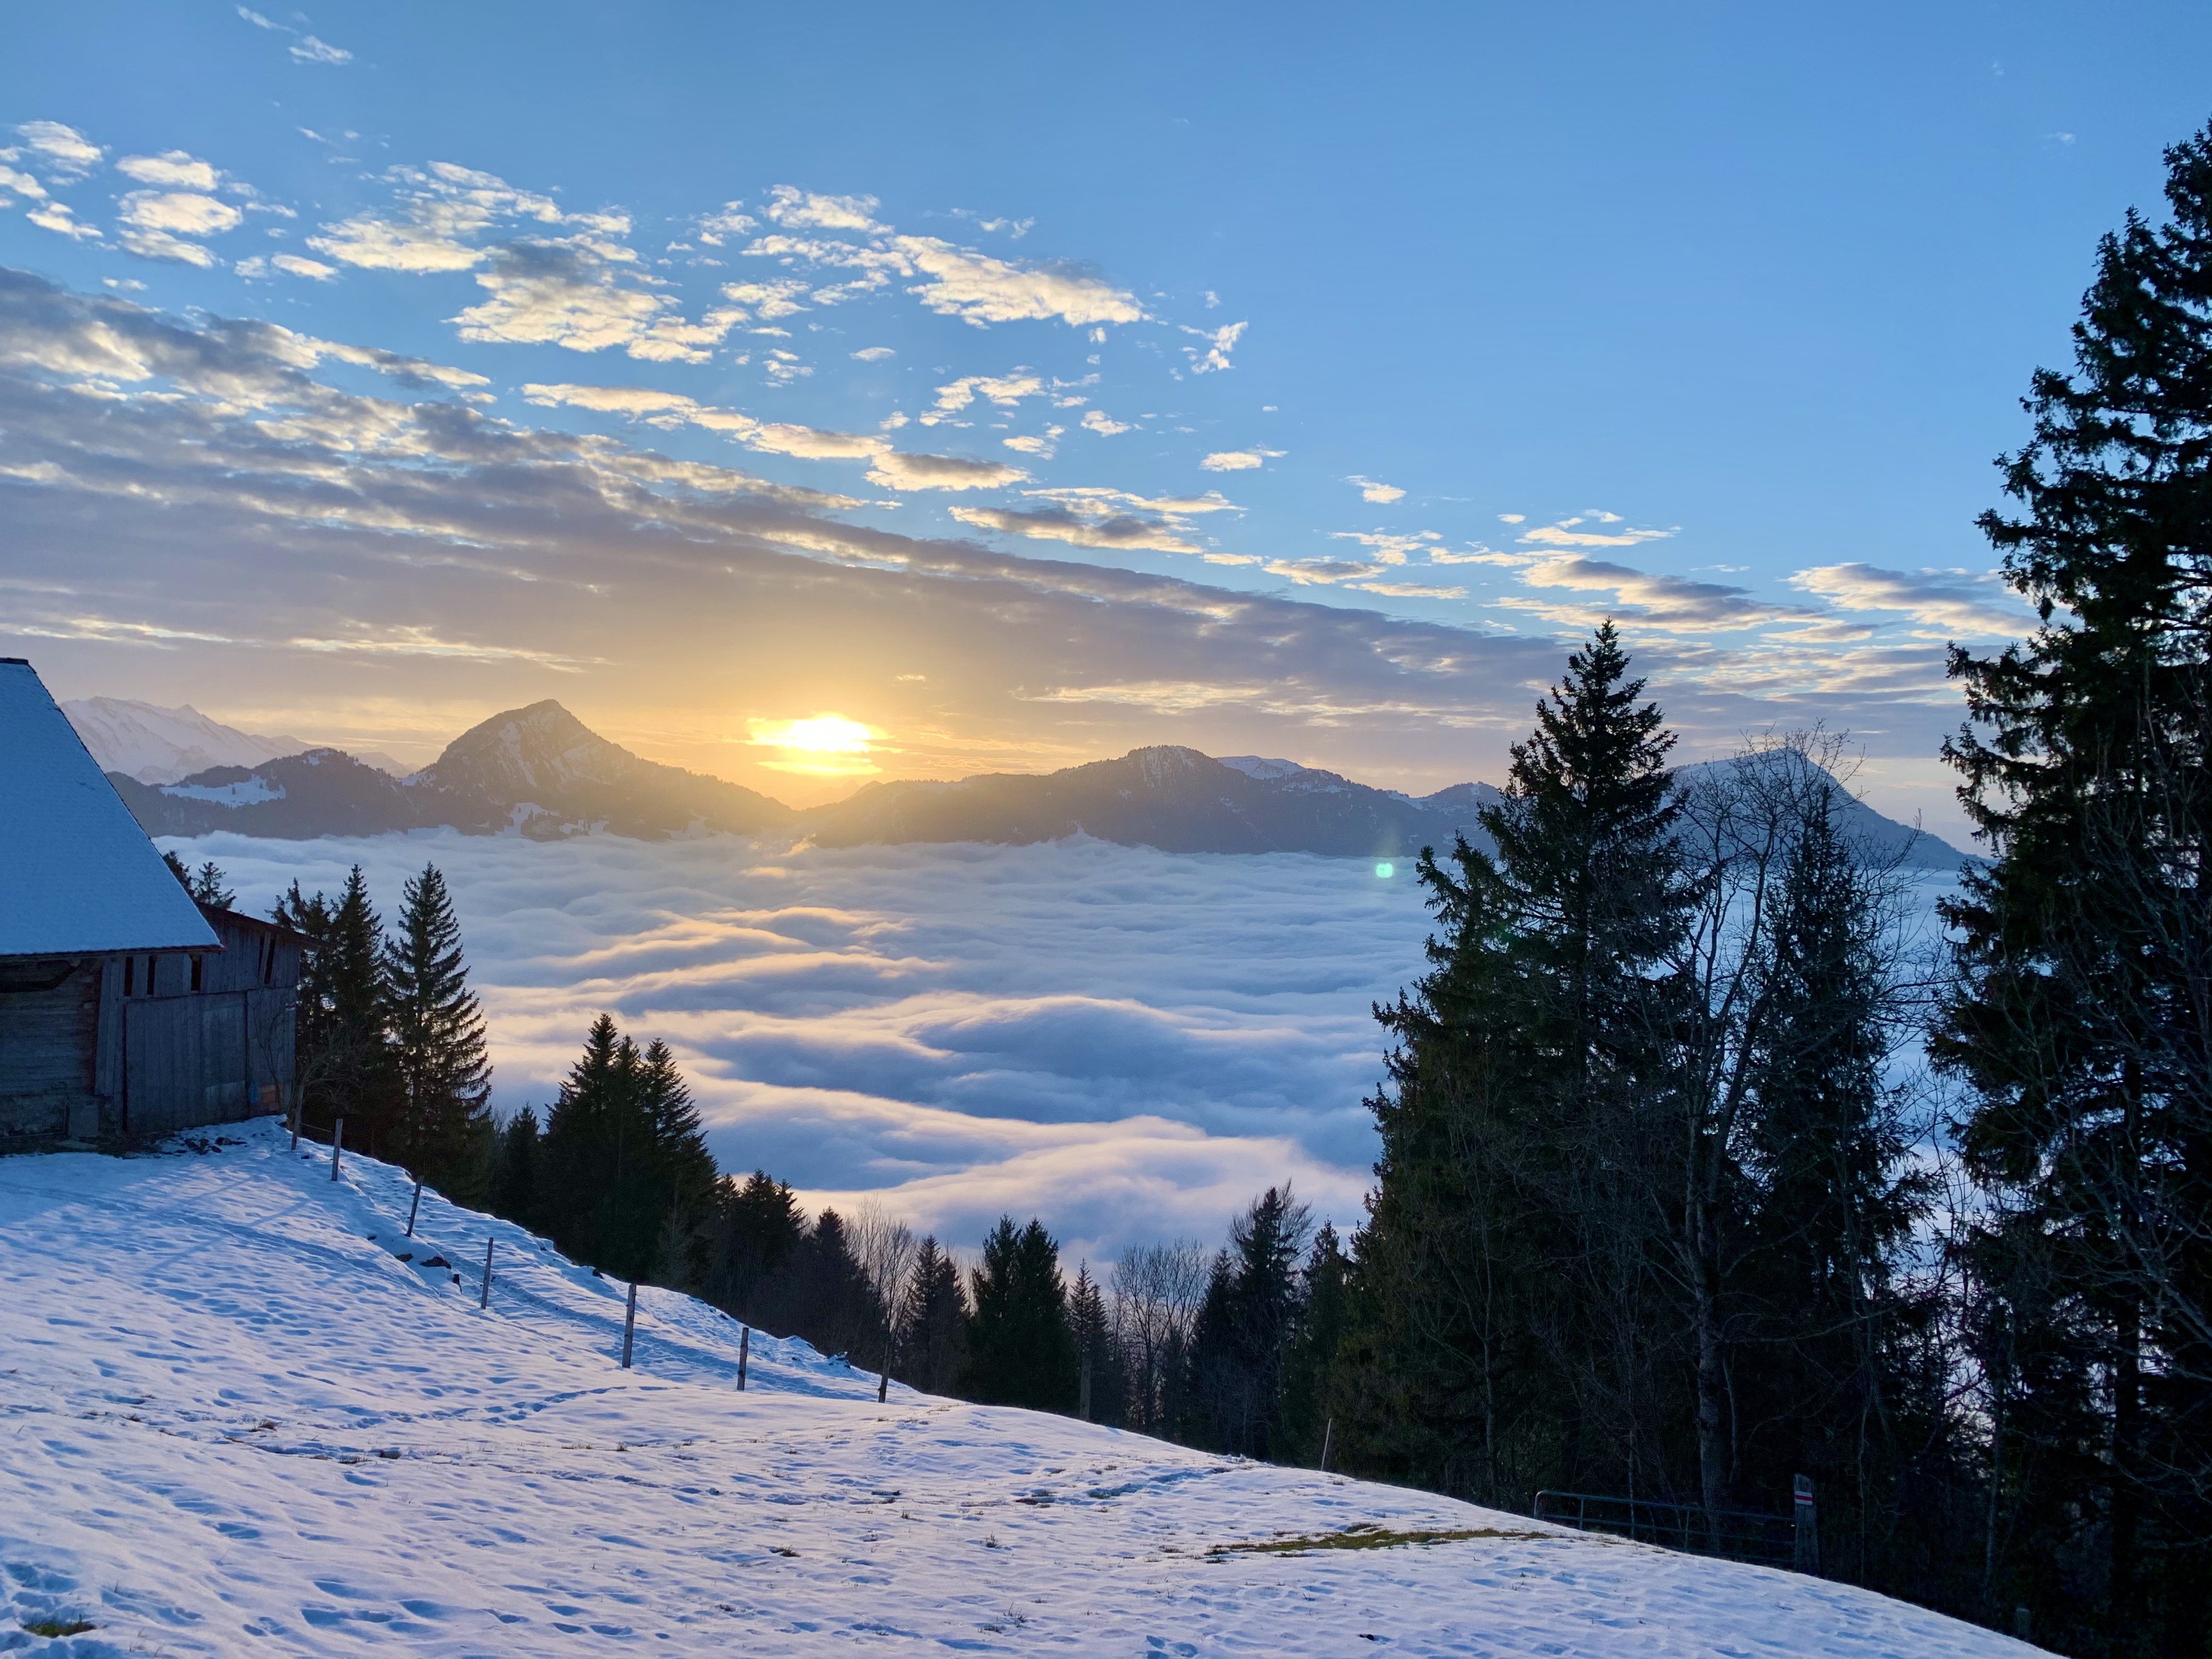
(1705, 1164)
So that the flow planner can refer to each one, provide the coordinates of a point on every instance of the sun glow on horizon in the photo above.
(822, 745)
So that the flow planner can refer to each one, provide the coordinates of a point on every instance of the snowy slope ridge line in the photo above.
(236, 1422)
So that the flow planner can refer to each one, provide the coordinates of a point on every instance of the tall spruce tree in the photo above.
(932, 1345)
(439, 1053)
(2080, 1021)
(1244, 1329)
(354, 1077)
(1020, 1351)
(1513, 1328)
(515, 1171)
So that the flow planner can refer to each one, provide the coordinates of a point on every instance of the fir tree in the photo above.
(1244, 1329)
(1099, 1357)
(208, 885)
(344, 1042)
(514, 1176)
(2085, 950)
(755, 1229)
(439, 1053)
(932, 1344)
(598, 1174)
(1311, 1363)
(1020, 1350)
(1511, 1330)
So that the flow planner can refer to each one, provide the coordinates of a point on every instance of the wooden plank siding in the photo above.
(136, 1045)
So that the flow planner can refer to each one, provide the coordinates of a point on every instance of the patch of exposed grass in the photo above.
(1365, 1535)
(56, 1627)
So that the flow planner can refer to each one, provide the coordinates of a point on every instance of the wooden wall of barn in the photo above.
(145, 1044)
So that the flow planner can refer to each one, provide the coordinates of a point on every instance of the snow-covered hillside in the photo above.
(238, 1419)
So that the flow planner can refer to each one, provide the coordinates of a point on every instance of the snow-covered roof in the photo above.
(77, 875)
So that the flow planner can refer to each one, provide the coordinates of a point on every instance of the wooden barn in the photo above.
(126, 1010)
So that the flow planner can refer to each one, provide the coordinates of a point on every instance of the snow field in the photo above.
(234, 1422)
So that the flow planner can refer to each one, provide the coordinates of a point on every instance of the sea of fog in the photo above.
(1128, 1043)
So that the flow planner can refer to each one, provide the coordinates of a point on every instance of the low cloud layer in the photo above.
(958, 1030)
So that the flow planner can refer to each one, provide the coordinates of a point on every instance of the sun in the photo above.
(824, 745)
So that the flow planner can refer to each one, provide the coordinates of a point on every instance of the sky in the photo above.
(814, 396)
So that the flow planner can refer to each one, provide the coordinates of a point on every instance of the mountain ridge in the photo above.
(541, 773)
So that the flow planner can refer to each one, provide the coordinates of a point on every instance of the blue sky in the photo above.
(1283, 379)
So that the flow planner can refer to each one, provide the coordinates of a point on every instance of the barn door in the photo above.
(223, 1057)
(161, 1061)
(186, 1062)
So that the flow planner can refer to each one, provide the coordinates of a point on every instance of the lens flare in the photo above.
(1385, 870)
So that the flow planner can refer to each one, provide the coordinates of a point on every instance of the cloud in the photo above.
(1096, 421)
(63, 151)
(545, 292)
(22, 184)
(1390, 548)
(1410, 591)
(1096, 499)
(172, 169)
(1313, 572)
(1121, 531)
(873, 354)
(293, 264)
(181, 212)
(889, 468)
(309, 50)
(438, 209)
(799, 209)
(955, 281)
(896, 470)
(1962, 603)
(769, 301)
(1219, 342)
(951, 1032)
(1564, 533)
(1044, 445)
(58, 217)
(1004, 390)
(1382, 494)
(1671, 602)
(1240, 461)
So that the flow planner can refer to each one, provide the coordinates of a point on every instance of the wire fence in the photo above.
(1751, 1535)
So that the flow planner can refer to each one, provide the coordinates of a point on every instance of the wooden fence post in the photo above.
(484, 1297)
(629, 1324)
(337, 1147)
(414, 1207)
(744, 1348)
(1084, 1405)
(1809, 1525)
(295, 1120)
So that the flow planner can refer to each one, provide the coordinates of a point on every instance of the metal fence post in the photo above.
(414, 1207)
(744, 1348)
(1327, 1434)
(337, 1147)
(1809, 1525)
(483, 1298)
(629, 1324)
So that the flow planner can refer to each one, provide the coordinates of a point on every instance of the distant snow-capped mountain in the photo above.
(539, 770)
(164, 746)
(541, 773)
